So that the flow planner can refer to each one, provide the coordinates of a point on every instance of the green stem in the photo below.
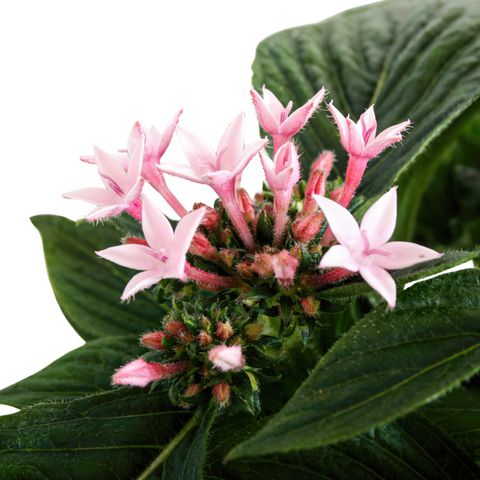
(165, 453)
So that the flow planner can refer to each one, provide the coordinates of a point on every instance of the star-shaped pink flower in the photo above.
(164, 256)
(123, 185)
(366, 249)
(277, 119)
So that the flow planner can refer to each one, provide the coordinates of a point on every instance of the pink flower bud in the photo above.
(285, 267)
(155, 340)
(317, 182)
(201, 247)
(304, 229)
(140, 373)
(309, 305)
(262, 265)
(246, 207)
(244, 269)
(221, 393)
(227, 358)
(224, 330)
(192, 390)
(204, 338)
(175, 328)
(211, 218)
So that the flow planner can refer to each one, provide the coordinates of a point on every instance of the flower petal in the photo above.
(341, 222)
(355, 138)
(385, 139)
(379, 221)
(184, 232)
(231, 144)
(265, 117)
(137, 257)
(135, 162)
(180, 170)
(199, 153)
(156, 227)
(369, 124)
(381, 281)
(141, 281)
(273, 103)
(110, 169)
(339, 256)
(162, 140)
(341, 123)
(97, 196)
(403, 255)
(250, 151)
(108, 211)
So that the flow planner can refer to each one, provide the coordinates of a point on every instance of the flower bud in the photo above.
(227, 358)
(221, 393)
(140, 373)
(285, 267)
(175, 328)
(317, 182)
(192, 390)
(305, 228)
(211, 218)
(204, 338)
(155, 340)
(253, 331)
(201, 247)
(228, 256)
(244, 269)
(262, 265)
(224, 330)
(310, 305)
(134, 241)
(246, 207)
(337, 193)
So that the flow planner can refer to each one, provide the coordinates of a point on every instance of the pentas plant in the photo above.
(292, 240)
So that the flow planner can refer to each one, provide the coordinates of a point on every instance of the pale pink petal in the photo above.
(180, 170)
(341, 221)
(387, 138)
(250, 151)
(297, 120)
(135, 162)
(137, 373)
(162, 140)
(339, 256)
(403, 255)
(227, 358)
(369, 124)
(184, 232)
(394, 130)
(268, 168)
(109, 211)
(273, 103)
(199, 154)
(142, 281)
(137, 257)
(381, 281)
(156, 227)
(265, 117)
(231, 144)
(97, 196)
(355, 138)
(219, 179)
(110, 169)
(137, 132)
(379, 221)
(135, 191)
(341, 123)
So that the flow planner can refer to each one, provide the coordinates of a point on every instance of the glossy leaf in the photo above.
(85, 370)
(88, 288)
(388, 364)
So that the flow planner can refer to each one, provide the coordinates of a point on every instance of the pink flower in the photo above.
(139, 373)
(285, 267)
(360, 139)
(164, 256)
(366, 249)
(123, 186)
(227, 358)
(277, 119)
(282, 174)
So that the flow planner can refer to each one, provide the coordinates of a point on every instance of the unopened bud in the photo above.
(210, 219)
(305, 228)
(205, 322)
(192, 390)
(246, 207)
(228, 256)
(262, 265)
(155, 340)
(140, 373)
(253, 331)
(226, 236)
(204, 338)
(285, 267)
(244, 269)
(310, 305)
(227, 358)
(221, 393)
(317, 182)
(224, 330)
(201, 247)
(175, 328)
(337, 193)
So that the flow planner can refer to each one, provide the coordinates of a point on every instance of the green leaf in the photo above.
(88, 288)
(416, 60)
(347, 292)
(108, 435)
(408, 449)
(458, 414)
(85, 370)
(388, 364)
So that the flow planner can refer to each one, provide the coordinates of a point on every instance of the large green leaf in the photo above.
(408, 449)
(105, 436)
(388, 364)
(85, 370)
(458, 414)
(416, 60)
(88, 288)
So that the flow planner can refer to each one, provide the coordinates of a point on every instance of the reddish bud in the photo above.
(201, 247)
(140, 373)
(317, 182)
(244, 269)
(310, 305)
(154, 340)
(211, 218)
(134, 241)
(246, 207)
(204, 338)
(337, 193)
(262, 265)
(224, 330)
(175, 328)
(221, 393)
(253, 331)
(192, 390)
(285, 267)
(304, 229)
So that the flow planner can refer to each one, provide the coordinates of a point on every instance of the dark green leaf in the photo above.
(388, 364)
(416, 60)
(458, 414)
(105, 436)
(88, 288)
(85, 370)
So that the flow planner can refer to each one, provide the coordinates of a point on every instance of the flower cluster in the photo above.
(292, 239)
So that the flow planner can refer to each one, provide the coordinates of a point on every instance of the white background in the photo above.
(78, 73)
